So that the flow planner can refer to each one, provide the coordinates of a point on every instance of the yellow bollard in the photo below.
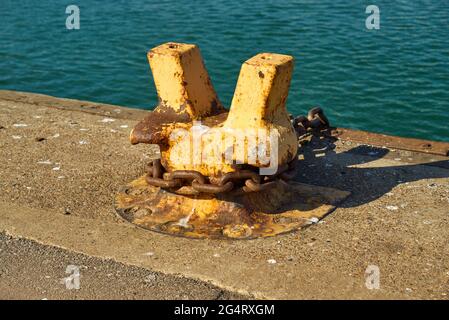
(258, 110)
(221, 174)
(182, 81)
(261, 93)
(260, 98)
(184, 89)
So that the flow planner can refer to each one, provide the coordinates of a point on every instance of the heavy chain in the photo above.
(315, 120)
(247, 180)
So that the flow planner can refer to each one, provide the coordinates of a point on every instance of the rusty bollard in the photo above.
(220, 174)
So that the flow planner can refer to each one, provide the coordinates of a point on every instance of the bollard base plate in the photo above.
(235, 215)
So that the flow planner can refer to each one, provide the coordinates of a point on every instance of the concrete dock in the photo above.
(62, 162)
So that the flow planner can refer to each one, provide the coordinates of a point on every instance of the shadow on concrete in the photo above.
(323, 166)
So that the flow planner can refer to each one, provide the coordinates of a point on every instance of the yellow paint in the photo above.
(181, 79)
(258, 107)
(260, 100)
(261, 92)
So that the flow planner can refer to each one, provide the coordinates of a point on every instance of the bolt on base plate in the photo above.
(237, 215)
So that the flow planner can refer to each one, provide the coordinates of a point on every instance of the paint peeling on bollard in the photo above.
(257, 125)
(221, 174)
(260, 100)
(182, 81)
(184, 89)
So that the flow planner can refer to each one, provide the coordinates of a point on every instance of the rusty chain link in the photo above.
(250, 181)
(247, 180)
(316, 120)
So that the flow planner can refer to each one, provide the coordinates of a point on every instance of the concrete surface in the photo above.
(60, 169)
(33, 271)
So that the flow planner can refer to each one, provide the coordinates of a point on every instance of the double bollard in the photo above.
(195, 132)
(220, 174)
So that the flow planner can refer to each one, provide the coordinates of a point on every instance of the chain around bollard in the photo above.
(247, 180)
(223, 173)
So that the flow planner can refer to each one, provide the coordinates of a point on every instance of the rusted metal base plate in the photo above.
(236, 215)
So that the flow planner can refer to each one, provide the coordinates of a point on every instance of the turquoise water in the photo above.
(394, 80)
